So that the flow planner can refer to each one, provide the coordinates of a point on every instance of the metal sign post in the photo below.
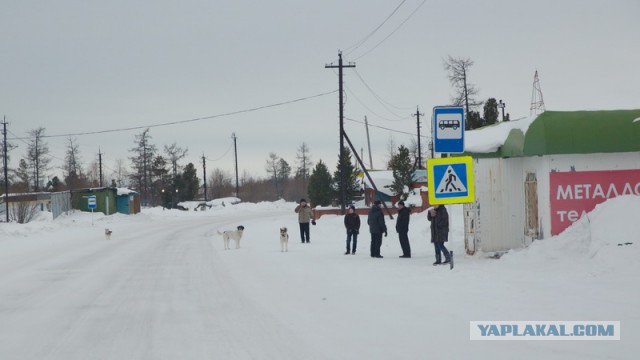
(91, 204)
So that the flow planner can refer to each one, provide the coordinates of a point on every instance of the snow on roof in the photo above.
(489, 138)
(125, 191)
(382, 179)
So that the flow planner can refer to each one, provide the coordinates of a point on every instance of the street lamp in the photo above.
(501, 105)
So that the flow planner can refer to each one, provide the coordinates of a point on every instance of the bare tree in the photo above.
(175, 154)
(391, 150)
(37, 155)
(23, 212)
(219, 183)
(119, 173)
(271, 167)
(72, 166)
(143, 154)
(304, 163)
(458, 69)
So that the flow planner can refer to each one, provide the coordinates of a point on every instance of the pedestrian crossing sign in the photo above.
(450, 180)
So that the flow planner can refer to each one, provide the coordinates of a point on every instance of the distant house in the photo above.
(109, 200)
(534, 177)
(105, 199)
(384, 179)
(127, 201)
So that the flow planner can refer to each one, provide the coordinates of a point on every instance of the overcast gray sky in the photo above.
(83, 66)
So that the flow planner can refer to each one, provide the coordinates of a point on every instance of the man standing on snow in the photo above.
(304, 216)
(439, 232)
(402, 227)
(377, 227)
(352, 224)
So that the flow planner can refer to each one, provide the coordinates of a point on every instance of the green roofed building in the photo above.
(534, 177)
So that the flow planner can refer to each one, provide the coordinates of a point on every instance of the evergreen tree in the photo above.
(473, 121)
(190, 183)
(491, 111)
(161, 185)
(54, 185)
(402, 169)
(352, 187)
(320, 190)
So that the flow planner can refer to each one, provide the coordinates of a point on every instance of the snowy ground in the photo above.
(164, 288)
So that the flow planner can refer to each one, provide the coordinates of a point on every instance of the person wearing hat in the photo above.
(402, 227)
(352, 224)
(377, 227)
(305, 215)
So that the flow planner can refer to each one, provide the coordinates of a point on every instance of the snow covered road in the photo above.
(163, 287)
(149, 293)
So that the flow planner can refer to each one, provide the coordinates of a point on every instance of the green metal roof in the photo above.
(573, 132)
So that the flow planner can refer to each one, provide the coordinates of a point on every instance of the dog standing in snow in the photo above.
(284, 239)
(107, 234)
(234, 235)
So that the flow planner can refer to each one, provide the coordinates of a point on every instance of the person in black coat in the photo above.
(439, 232)
(402, 228)
(352, 224)
(377, 227)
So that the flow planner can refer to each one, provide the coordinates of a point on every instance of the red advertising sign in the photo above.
(578, 192)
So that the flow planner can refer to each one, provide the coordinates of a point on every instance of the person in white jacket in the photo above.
(305, 215)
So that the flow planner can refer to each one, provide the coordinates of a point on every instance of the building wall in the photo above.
(499, 213)
(583, 162)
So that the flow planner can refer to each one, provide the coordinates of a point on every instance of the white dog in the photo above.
(234, 235)
(107, 234)
(284, 239)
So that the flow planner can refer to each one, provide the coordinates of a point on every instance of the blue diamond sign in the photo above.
(448, 130)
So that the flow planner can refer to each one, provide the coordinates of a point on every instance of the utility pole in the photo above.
(100, 166)
(37, 166)
(340, 66)
(204, 176)
(235, 152)
(417, 115)
(366, 126)
(6, 165)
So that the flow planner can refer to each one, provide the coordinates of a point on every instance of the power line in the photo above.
(223, 155)
(361, 42)
(386, 128)
(371, 111)
(190, 120)
(393, 32)
(380, 100)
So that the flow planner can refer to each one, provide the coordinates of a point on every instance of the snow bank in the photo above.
(610, 231)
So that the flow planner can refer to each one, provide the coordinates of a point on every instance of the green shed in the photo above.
(105, 200)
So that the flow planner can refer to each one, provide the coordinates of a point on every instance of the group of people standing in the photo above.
(437, 216)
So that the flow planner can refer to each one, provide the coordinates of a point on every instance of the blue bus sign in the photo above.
(91, 202)
(448, 130)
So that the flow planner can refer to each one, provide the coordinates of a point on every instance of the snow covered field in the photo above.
(164, 288)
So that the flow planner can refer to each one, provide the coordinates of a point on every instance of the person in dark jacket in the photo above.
(352, 224)
(402, 227)
(377, 227)
(439, 232)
